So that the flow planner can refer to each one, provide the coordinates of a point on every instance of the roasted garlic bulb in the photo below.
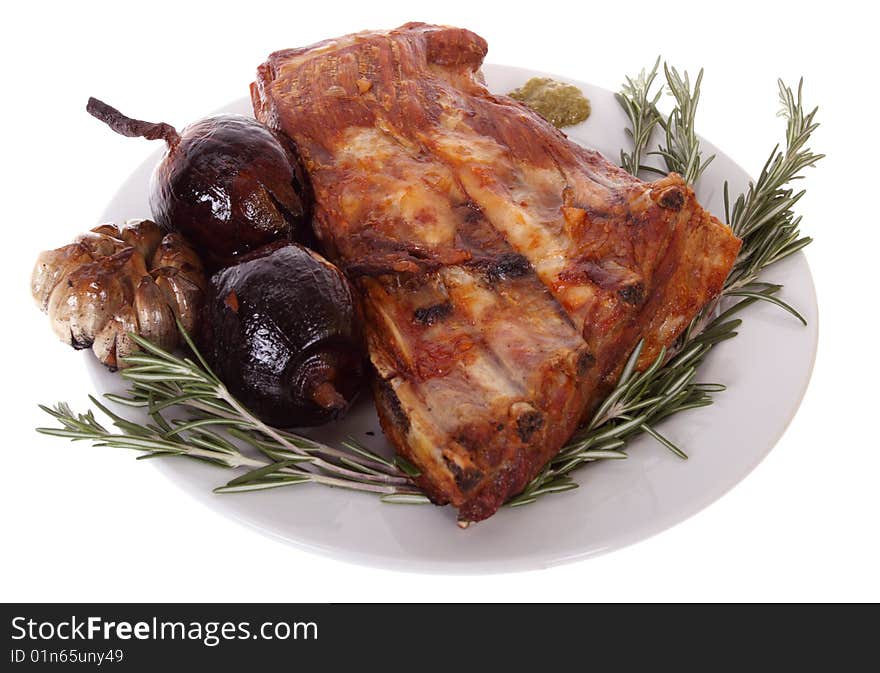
(113, 281)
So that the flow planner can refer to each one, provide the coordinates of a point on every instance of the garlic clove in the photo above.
(100, 244)
(174, 252)
(80, 306)
(104, 346)
(108, 229)
(114, 342)
(143, 235)
(155, 319)
(51, 268)
(182, 294)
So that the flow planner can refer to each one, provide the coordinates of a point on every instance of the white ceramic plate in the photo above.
(766, 368)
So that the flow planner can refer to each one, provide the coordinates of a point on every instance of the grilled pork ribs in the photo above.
(505, 273)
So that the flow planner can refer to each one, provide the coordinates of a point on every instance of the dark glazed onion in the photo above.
(281, 333)
(226, 182)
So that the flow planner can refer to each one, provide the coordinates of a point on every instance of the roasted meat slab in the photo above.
(504, 272)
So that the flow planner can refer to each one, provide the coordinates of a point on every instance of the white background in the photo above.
(89, 524)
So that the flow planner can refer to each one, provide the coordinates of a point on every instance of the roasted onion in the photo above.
(226, 182)
(281, 332)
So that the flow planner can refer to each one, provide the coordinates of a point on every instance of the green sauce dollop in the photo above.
(559, 103)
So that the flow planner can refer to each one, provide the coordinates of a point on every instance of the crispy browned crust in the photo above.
(504, 272)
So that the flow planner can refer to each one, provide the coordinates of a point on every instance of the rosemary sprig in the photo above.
(640, 106)
(217, 428)
(764, 217)
(682, 152)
